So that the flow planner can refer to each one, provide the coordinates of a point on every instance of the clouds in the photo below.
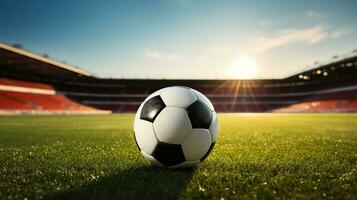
(221, 54)
(340, 33)
(314, 14)
(311, 35)
(162, 55)
(294, 35)
(279, 46)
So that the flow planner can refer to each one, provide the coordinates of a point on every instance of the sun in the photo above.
(244, 67)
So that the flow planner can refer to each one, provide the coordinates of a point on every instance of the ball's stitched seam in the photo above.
(193, 91)
(178, 107)
(153, 128)
(211, 134)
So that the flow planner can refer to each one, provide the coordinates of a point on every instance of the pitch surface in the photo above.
(310, 156)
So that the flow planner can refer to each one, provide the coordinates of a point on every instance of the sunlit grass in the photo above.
(310, 156)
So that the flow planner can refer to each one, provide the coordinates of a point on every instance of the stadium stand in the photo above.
(330, 102)
(26, 97)
(32, 84)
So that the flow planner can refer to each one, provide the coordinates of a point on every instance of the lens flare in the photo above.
(244, 68)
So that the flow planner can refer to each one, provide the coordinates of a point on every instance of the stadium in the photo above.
(34, 84)
(259, 121)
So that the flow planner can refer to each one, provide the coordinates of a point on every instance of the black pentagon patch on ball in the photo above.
(208, 152)
(200, 115)
(168, 154)
(152, 108)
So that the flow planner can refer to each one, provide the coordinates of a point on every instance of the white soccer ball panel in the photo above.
(151, 159)
(145, 135)
(178, 96)
(172, 125)
(203, 99)
(187, 164)
(213, 129)
(197, 144)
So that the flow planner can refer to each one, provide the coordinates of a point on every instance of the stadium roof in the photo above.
(17, 61)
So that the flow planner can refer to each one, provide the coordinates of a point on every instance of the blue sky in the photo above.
(183, 38)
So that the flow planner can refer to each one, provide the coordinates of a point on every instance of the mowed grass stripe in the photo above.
(307, 156)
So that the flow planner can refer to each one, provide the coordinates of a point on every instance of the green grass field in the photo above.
(257, 156)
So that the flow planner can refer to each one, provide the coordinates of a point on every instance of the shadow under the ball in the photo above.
(144, 182)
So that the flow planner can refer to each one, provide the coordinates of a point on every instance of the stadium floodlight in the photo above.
(175, 127)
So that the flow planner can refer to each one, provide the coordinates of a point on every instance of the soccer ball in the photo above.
(175, 127)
